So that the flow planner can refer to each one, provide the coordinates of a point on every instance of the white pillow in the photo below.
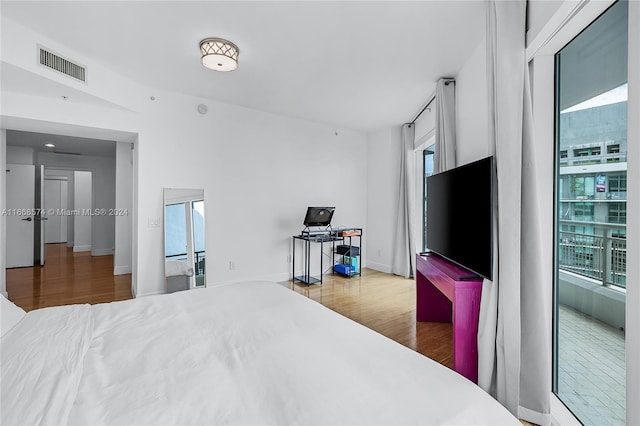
(11, 314)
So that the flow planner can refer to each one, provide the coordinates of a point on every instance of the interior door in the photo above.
(39, 225)
(20, 179)
(55, 194)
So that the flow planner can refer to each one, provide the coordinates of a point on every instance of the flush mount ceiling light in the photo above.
(219, 54)
(49, 145)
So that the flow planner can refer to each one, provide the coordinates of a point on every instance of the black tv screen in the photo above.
(460, 216)
(318, 216)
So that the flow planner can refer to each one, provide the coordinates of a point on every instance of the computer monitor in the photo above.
(318, 216)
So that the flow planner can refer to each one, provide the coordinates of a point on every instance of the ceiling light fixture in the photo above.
(49, 145)
(219, 54)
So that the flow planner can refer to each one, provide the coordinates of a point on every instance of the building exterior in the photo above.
(592, 192)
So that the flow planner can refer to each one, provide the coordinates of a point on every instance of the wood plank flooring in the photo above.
(387, 304)
(67, 278)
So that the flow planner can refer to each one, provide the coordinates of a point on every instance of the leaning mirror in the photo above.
(184, 253)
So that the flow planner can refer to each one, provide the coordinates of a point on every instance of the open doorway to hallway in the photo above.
(85, 192)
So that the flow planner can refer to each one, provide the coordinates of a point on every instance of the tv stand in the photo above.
(469, 277)
(446, 292)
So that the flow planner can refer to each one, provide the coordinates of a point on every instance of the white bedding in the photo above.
(249, 353)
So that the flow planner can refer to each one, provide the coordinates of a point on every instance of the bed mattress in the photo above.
(245, 353)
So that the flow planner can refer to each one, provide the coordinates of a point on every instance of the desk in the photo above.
(329, 236)
(441, 296)
(307, 240)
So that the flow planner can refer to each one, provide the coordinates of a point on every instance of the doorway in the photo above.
(59, 226)
(56, 199)
(590, 229)
(20, 215)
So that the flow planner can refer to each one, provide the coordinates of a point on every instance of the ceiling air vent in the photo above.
(60, 64)
(67, 153)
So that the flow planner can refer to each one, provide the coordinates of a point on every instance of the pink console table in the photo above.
(446, 294)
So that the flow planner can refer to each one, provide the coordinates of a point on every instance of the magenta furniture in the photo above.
(445, 293)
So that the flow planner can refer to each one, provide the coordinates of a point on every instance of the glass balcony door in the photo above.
(590, 220)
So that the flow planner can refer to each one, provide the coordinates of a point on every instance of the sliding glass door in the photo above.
(428, 171)
(590, 220)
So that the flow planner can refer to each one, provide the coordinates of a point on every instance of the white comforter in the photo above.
(250, 353)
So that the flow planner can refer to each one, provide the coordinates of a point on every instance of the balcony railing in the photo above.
(198, 261)
(593, 159)
(601, 255)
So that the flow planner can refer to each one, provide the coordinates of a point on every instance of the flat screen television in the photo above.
(459, 220)
(318, 216)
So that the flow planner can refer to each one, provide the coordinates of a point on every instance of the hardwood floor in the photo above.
(67, 278)
(387, 304)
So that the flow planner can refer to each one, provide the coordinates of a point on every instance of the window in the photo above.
(590, 220)
(582, 187)
(583, 211)
(618, 186)
(428, 171)
(617, 213)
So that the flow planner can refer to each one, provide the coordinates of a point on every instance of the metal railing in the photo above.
(198, 261)
(601, 255)
(593, 159)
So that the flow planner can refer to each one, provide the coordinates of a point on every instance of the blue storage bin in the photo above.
(343, 269)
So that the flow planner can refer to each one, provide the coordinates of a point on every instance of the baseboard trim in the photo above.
(69, 244)
(101, 252)
(153, 293)
(380, 267)
(122, 270)
(81, 248)
(279, 277)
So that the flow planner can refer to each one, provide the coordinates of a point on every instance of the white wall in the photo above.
(104, 192)
(472, 109)
(20, 155)
(259, 173)
(383, 177)
(70, 194)
(55, 194)
(82, 202)
(122, 259)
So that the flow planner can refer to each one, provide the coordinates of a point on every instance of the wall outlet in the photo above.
(379, 252)
(154, 222)
(232, 265)
(288, 258)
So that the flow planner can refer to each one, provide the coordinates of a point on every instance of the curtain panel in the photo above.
(404, 250)
(515, 330)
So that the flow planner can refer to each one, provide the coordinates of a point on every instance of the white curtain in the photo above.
(514, 332)
(445, 149)
(404, 252)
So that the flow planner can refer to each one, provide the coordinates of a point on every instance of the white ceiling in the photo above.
(63, 144)
(356, 64)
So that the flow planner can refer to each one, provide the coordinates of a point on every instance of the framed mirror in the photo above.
(184, 251)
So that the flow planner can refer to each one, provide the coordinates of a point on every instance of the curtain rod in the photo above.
(431, 99)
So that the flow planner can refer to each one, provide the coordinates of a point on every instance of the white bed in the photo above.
(247, 353)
